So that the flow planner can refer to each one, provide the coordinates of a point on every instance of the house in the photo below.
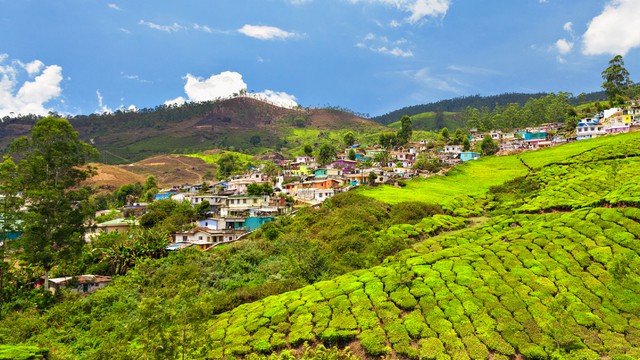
(589, 128)
(82, 283)
(347, 166)
(117, 225)
(315, 195)
(469, 155)
(239, 204)
(255, 222)
(452, 149)
(320, 173)
(163, 195)
(204, 238)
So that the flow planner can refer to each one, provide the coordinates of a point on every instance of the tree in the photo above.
(444, 134)
(616, 79)
(326, 154)
(10, 204)
(352, 154)
(387, 140)
(227, 164)
(372, 178)
(50, 171)
(466, 145)
(382, 158)
(349, 139)
(406, 130)
(308, 150)
(488, 146)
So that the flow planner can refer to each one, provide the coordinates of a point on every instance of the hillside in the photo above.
(243, 123)
(557, 273)
(548, 266)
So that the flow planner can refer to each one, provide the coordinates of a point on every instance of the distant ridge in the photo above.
(474, 101)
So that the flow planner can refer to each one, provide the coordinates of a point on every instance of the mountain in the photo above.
(459, 104)
(240, 122)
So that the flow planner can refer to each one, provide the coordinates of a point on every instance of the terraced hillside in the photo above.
(554, 273)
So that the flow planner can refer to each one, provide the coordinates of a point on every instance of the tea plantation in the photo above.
(553, 273)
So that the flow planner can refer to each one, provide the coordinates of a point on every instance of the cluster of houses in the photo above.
(610, 121)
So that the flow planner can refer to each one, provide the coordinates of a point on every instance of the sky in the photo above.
(371, 56)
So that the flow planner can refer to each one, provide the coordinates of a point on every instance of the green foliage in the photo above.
(49, 172)
(616, 79)
(11, 352)
(326, 154)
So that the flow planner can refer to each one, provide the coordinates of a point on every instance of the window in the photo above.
(184, 238)
(244, 201)
(255, 201)
(199, 237)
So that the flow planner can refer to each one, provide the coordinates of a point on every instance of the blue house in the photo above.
(527, 135)
(320, 173)
(469, 155)
(254, 222)
(164, 195)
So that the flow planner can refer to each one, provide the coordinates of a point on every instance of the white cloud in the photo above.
(225, 85)
(31, 96)
(418, 9)
(265, 32)
(166, 28)
(473, 70)
(394, 24)
(425, 79)
(615, 30)
(564, 46)
(568, 27)
(382, 45)
(125, 31)
(299, 2)
(277, 98)
(135, 78)
(102, 108)
(114, 7)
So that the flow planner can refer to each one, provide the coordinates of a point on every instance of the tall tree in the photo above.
(10, 204)
(616, 79)
(406, 130)
(349, 138)
(488, 146)
(326, 154)
(50, 170)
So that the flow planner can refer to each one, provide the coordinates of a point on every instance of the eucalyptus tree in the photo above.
(51, 167)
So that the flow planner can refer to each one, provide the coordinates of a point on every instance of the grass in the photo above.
(471, 178)
(213, 158)
(476, 177)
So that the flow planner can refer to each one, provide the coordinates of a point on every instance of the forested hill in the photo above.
(476, 101)
(241, 122)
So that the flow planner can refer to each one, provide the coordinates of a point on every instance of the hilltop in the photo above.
(240, 122)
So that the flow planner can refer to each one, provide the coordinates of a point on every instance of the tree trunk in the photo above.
(46, 280)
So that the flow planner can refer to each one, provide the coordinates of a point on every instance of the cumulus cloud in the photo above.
(265, 32)
(225, 85)
(114, 7)
(382, 45)
(418, 9)
(564, 46)
(29, 97)
(615, 30)
(175, 27)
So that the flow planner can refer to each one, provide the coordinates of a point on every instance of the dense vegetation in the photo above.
(525, 271)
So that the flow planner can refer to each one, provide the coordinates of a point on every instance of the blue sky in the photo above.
(371, 56)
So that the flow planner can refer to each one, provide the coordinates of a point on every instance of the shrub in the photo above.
(373, 341)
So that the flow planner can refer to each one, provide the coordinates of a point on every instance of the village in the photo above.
(240, 205)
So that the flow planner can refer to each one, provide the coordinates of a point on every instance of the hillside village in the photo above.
(240, 205)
